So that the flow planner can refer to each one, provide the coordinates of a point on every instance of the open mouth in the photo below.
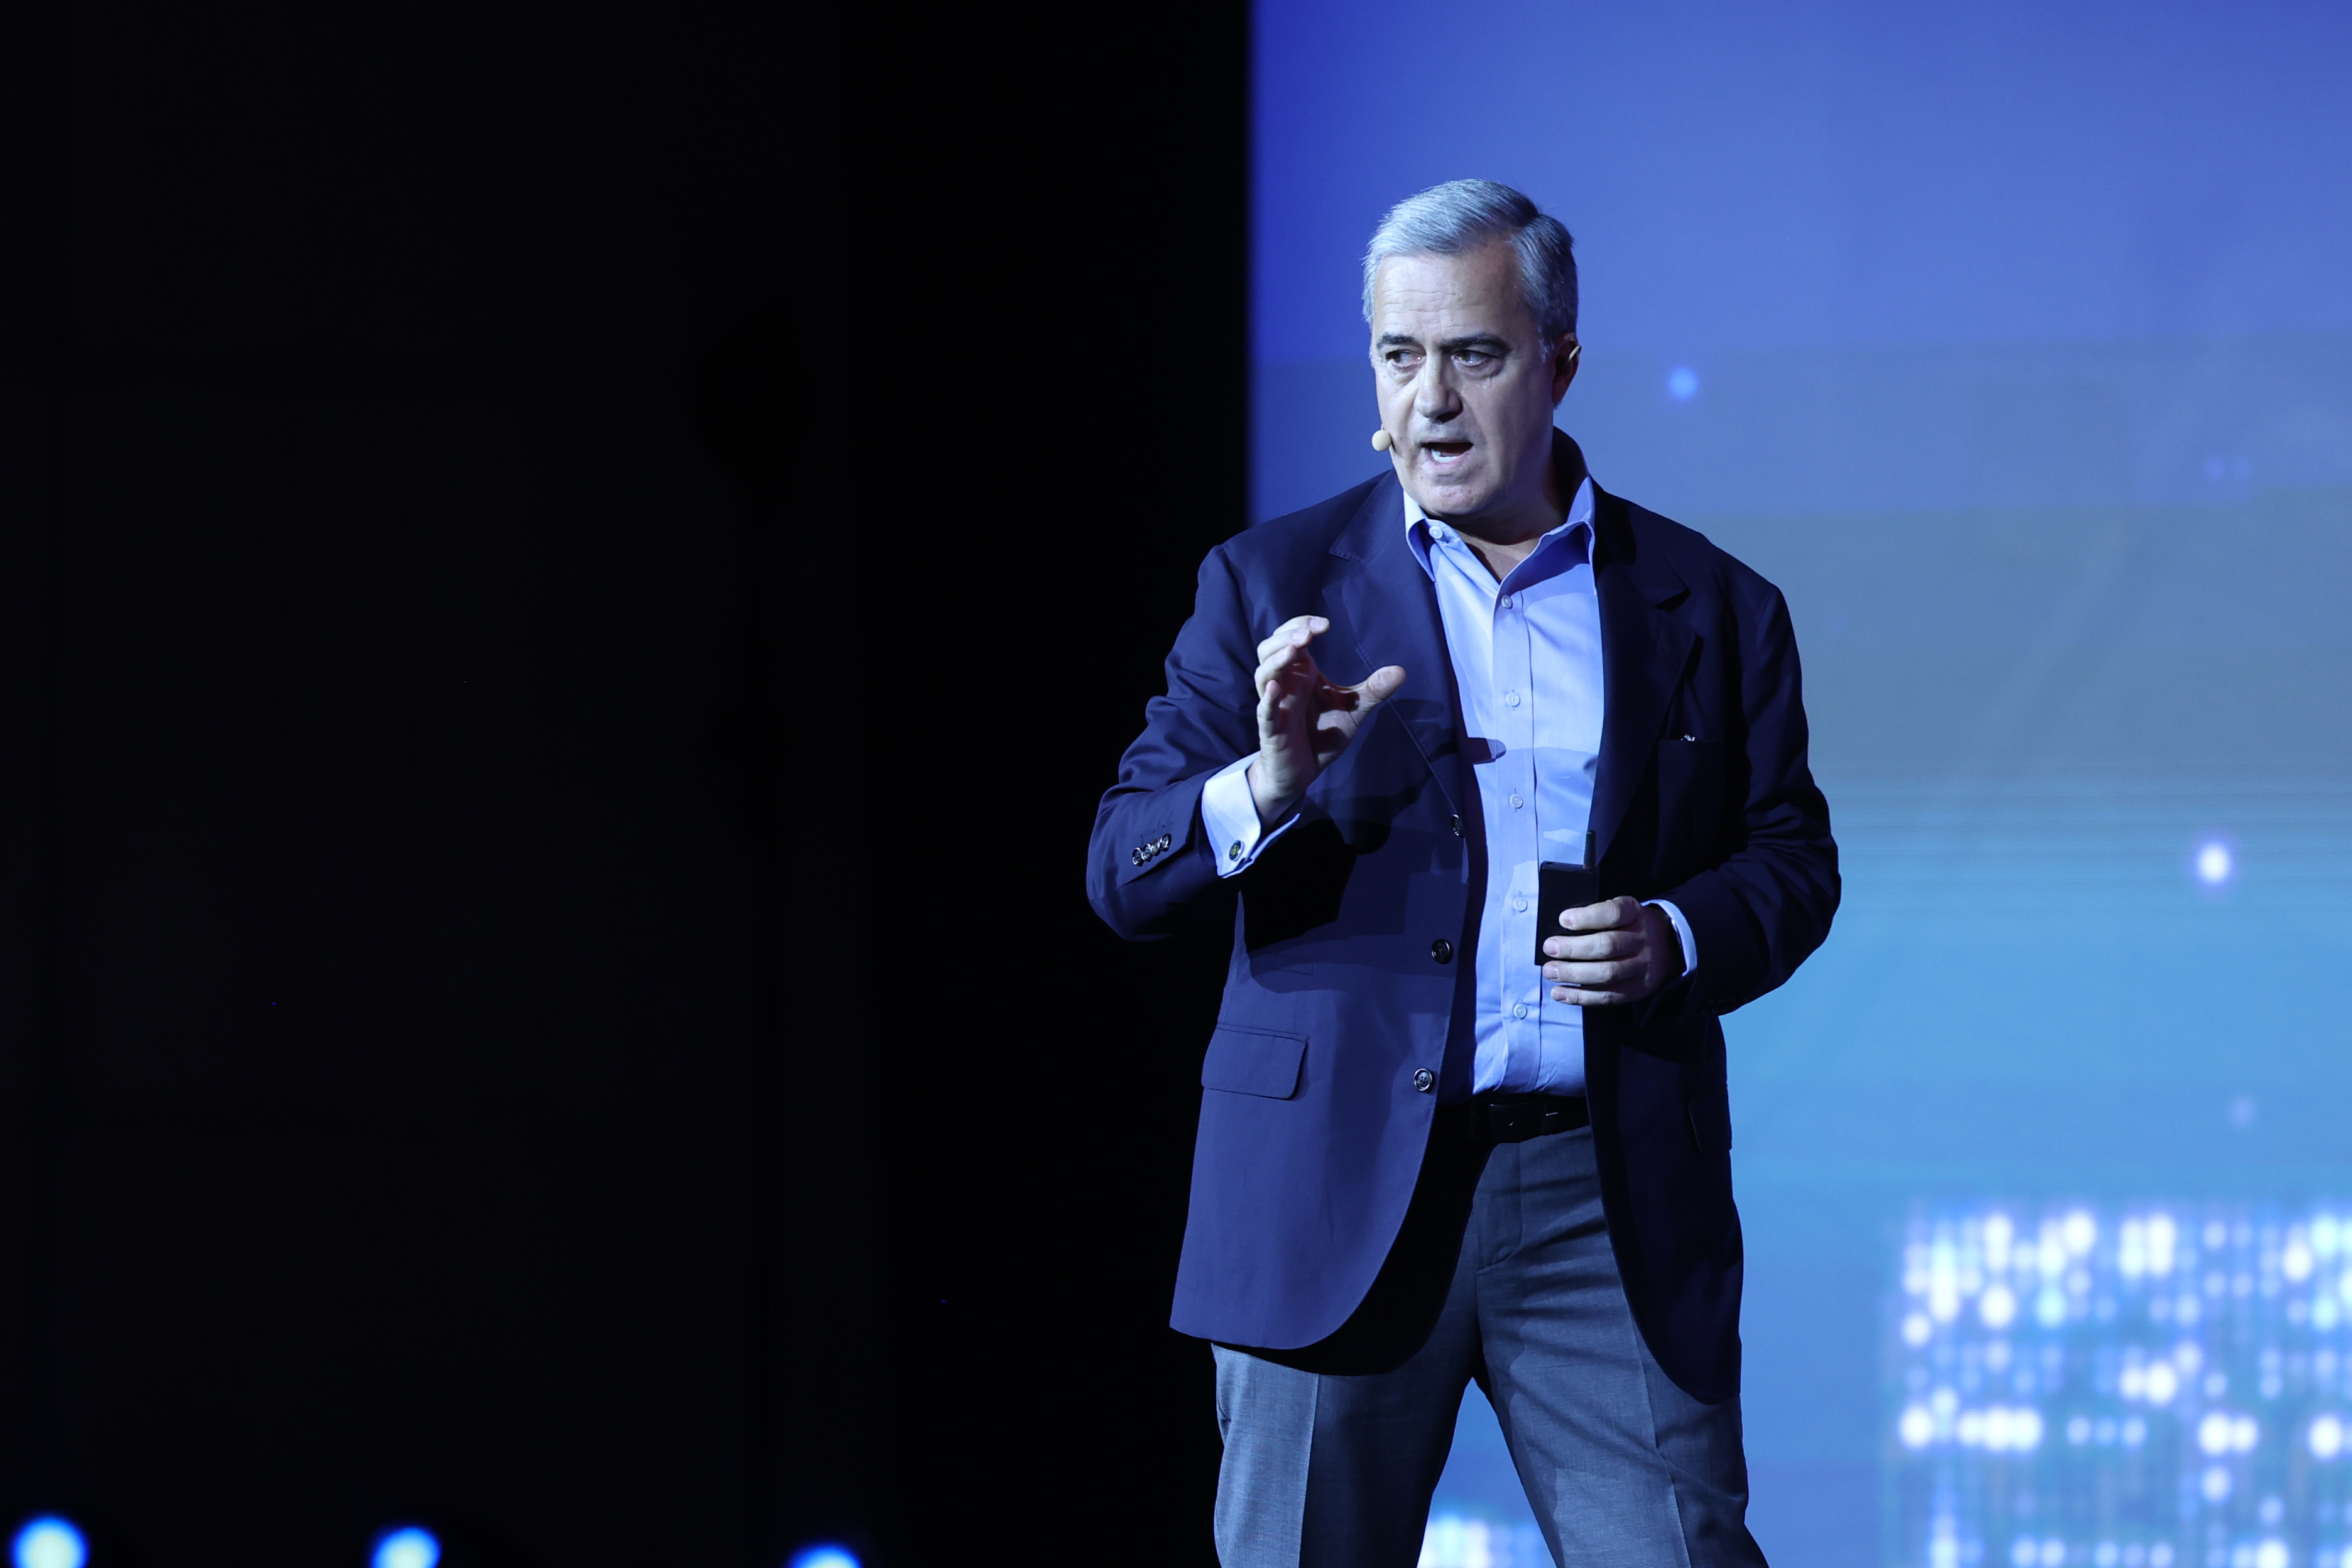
(1445, 453)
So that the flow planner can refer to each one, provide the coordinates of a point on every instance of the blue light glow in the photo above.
(1459, 1540)
(49, 1541)
(1683, 383)
(407, 1547)
(2215, 864)
(825, 1554)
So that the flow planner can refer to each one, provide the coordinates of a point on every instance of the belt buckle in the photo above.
(1517, 1121)
(1505, 1122)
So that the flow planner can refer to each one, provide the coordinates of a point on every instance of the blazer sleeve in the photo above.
(1759, 913)
(1150, 871)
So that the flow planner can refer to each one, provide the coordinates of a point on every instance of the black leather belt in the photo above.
(1515, 1118)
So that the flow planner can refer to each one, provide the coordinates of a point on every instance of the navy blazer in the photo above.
(1341, 989)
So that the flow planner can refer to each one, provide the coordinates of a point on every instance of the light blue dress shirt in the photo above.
(1526, 660)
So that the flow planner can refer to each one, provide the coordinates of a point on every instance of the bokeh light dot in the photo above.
(49, 1541)
(407, 1547)
(825, 1555)
(1997, 1306)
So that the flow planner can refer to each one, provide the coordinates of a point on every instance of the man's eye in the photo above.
(1474, 358)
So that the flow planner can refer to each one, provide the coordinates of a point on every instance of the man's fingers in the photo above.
(1378, 686)
(1296, 631)
(1287, 660)
(1594, 947)
(1599, 972)
(1367, 694)
(1610, 914)
(1607, 961)
(1598, 985)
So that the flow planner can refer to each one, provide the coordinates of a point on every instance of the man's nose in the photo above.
(1436, 398)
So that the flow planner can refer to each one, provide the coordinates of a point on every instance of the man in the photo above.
(1424, 1157)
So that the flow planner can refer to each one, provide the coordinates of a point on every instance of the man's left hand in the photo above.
(1618, 951)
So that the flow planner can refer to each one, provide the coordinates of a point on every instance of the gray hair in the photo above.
(1463, 215)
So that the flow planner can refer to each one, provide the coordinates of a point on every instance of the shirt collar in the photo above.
(1418, 523)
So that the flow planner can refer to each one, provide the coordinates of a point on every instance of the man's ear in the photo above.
(1563, 365)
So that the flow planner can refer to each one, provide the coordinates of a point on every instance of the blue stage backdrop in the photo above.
(2014, 341)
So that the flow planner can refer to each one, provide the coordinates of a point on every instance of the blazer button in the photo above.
(1442, 950)
(1458, 828)
(1423, 1079)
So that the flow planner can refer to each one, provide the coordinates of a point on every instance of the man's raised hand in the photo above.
(1303, 719)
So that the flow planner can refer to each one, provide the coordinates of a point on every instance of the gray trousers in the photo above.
(1331, 1454)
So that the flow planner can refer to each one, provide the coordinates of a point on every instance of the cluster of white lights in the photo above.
(2049, 1551)
(2223, 1433)
(2147, 1246)
(1996, 1268)
(1997, 1430)
(2077, 1344)
(2315, 1252)
(2159, 1380)
(1999, 1276)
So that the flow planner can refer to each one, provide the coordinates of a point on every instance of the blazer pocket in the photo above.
(1254, 1062)
(1710, 1122)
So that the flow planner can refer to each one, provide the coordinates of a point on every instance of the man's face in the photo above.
(1466, 386)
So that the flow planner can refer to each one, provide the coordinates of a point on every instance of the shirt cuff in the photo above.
(1230, 818)
(1681, 933)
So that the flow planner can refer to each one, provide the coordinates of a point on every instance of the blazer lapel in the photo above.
(1383, 611)
(1643, 653)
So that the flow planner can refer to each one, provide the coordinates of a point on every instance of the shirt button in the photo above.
(1423, 1079)
(1510, 699)
(1516, 802)
(1442, 950)
(1519, 904)
(1505, 601)
(1519, 1010)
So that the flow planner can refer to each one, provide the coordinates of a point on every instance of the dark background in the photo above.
(568, 581)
